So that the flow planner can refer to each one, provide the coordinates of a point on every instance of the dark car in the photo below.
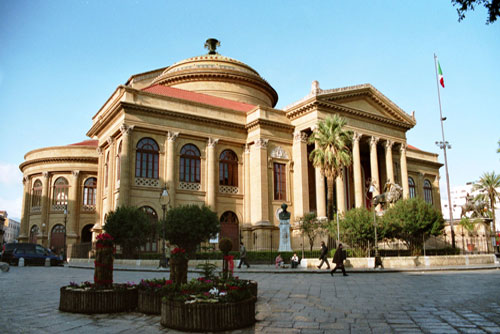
(32, 254)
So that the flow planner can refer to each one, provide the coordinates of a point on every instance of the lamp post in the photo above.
(378, 261)
(164, 200)
(65, 221)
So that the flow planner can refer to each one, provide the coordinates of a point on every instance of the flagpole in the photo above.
(444, 145)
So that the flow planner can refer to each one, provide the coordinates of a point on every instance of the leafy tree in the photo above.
(357, 227)
(489, 184)
(332, 152)
(311, 227)
(131, 228)
(412, 221)
(493, 7)
(498, 149)
(189, 225)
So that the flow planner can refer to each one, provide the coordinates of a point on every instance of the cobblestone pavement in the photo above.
(444, 302)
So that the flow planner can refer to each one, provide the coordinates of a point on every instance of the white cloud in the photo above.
(10, 174)
(12, 206)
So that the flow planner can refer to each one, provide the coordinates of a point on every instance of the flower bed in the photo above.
(89, 300)
(201, 317)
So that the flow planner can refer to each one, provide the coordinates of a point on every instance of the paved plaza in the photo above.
(437, 302)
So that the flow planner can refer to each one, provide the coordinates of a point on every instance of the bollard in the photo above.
(21, 262)
(47, 262)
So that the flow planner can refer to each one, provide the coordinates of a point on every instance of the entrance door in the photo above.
(57, 239)
(87, 233)
(230, 228)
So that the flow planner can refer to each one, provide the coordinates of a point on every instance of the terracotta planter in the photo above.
(202, 317)
(97, 301)
(148, 302)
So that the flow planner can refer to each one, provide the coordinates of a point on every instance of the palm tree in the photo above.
(332, 152)
(489, 184)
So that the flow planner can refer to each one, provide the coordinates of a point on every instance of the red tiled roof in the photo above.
(89, 142)
(414, 148)
(198, 97)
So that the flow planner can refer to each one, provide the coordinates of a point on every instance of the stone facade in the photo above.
(207, 129)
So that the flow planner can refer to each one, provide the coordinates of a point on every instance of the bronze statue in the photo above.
(211, 44)
(392, 194)
(284, 215)
(477, 207)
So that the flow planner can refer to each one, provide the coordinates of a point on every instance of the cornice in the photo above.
(57, 159)
(316, 104)
(168, 113)
(236, 77)
(427, 162)
(266, 123)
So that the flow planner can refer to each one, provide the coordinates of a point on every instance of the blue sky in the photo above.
(61, 60)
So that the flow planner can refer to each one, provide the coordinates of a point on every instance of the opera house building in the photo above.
(207, 128)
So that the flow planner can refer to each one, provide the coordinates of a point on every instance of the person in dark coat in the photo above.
(243, 256)
(338, 259)
(324, 255)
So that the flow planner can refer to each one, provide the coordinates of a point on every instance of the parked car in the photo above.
(32, 254)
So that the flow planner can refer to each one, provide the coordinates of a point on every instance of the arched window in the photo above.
(190, 164)
(428, 191)
(118, 158)
(90, 191)
(36, 194)
(60, 192)
(229, 228)
(152, 244)
(106, 171)
(411, 185)
(34, 234)
(228, 169)
(146, 161)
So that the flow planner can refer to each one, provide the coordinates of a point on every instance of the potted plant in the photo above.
(102, 296)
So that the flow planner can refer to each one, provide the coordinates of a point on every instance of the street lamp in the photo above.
(164, 200)
(65, 221)
(446, 145)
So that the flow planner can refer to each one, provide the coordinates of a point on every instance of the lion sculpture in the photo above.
(392, 194)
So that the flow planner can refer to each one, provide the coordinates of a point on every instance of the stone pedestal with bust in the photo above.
(284, 217)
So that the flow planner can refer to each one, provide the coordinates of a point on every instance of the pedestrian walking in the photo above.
(338, 259)
(324, 255)
(243, 256)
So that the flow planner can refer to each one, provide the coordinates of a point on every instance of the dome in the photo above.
(221, 76)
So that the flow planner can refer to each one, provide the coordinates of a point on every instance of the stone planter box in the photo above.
(148, 302)
(208, 317)
(97, 301)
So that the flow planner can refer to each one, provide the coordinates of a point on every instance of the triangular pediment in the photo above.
(366, 99)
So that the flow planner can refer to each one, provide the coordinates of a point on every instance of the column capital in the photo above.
(110, 140)
(356, 136)
(172, 136)
(25, 179)
(247, 148)
(403, 147)
(261, 143)
(99, 150)
(374, 140)
(45, 175)
(388, 144)
(300, 137)
(75, 173)
(212, 142)
(126, 129)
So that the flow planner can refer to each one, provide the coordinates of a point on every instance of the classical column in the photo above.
(73, 205)
(25, 210)
(404, 172)
(99, 207)
(341, 208)
(109, 153)
(259, 188)
(320, 192)
(171, 137)
(125, 175)
(44, 216)
(300, 177)
(247, 197)
(388, 161)
(211, 179)
(356, 165)
(374, 166)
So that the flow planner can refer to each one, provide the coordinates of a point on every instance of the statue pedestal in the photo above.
(285, 245)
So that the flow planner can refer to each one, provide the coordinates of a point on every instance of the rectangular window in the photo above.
(279, 171)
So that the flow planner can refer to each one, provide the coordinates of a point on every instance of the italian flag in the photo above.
(440, 75)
